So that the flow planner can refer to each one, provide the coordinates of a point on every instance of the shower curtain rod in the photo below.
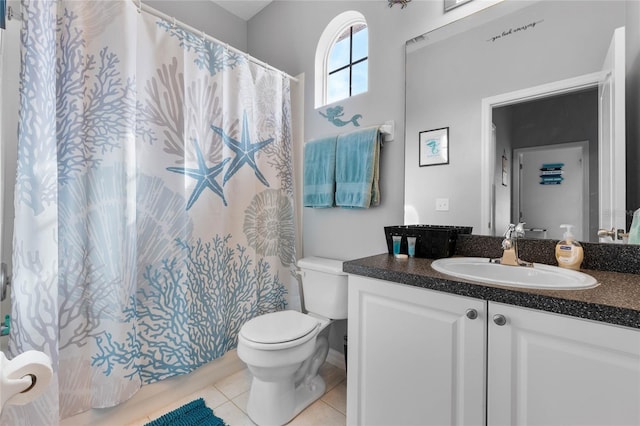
(143, 7)
(12, 14)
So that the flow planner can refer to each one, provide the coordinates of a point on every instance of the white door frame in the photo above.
(612, 140)
(487, 144)
(584, 147)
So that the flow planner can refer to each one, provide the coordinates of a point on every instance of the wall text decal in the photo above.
(512, 31)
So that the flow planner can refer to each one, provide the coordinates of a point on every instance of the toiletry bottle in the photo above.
(569, 253)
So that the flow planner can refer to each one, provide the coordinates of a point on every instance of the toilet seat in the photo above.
(279, 330)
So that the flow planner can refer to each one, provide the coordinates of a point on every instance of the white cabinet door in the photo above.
(549, 369)
(415, 357)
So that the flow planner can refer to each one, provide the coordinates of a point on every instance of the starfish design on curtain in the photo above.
(244, 149)
(206, 176)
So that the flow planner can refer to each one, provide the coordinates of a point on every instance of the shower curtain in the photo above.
(154, 201)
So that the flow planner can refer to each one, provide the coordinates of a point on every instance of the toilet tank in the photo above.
(324, 287)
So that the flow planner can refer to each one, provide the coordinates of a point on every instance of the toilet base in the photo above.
(286, 401)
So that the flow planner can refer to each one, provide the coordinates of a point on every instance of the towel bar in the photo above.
(388, 131)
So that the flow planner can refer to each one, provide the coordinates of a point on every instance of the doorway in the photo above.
(609, 190)
(535, 133)
(551, 188)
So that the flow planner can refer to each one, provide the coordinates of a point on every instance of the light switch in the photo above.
(442, 204)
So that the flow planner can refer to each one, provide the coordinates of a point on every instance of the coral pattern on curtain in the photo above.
(154, 201)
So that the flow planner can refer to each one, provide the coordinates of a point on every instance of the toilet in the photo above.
(284, 350)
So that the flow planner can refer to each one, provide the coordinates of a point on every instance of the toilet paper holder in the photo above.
(24, 378)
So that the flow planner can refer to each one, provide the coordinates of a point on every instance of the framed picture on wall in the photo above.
(434, 147)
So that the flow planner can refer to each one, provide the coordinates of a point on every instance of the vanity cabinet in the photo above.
(549, 369)
(416, 357)
(424, 357)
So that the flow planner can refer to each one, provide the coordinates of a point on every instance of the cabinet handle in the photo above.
(471, 314)
(499, 319)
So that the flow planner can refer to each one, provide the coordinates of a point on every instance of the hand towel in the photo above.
(357, 168)
(319, 172)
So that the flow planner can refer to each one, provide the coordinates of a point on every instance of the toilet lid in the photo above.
(278, 327)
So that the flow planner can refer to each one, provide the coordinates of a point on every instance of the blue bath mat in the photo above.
(191, 414)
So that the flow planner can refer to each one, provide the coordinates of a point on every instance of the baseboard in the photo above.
(155, 396)
(336, 358)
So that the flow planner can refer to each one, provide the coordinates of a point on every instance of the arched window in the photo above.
(342, 59)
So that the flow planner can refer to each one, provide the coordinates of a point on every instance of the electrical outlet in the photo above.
(442, 204)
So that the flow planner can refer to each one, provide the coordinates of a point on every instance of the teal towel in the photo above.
(357, 169)
(319, 172)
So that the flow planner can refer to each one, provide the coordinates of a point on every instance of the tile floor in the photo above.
(228, 400)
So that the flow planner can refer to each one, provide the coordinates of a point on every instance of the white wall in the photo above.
(285, 35)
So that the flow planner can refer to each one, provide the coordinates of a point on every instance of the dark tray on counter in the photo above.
(432, 241)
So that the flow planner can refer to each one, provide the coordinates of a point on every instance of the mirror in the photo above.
(520, 86)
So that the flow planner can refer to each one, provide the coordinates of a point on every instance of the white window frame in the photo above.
(329, 36)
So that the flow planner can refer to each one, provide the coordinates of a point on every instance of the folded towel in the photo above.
(357, 168)
(319, 172)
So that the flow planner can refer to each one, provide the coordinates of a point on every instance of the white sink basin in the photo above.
(548, 277)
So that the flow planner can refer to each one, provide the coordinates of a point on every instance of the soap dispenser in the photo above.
(569, 253)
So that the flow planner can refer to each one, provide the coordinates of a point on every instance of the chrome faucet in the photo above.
(510, 247)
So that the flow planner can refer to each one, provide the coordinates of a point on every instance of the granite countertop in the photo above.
(616, 300)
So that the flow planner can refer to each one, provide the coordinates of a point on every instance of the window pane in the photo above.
(360, 82)
(338, 86)
(339, 56)
(360, 43)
